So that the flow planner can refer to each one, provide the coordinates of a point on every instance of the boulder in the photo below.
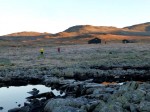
(144, 106)
(67, 109)
(14, 110)
(99, 106)
(73, 102)
(129, 86)
(51, 80)
(147, 97)
(109, 107)
(134, 96)
(1, 108)
(133, 108)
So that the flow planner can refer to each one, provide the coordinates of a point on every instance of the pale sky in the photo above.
(57, 15)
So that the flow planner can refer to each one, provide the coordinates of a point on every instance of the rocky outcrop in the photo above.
(54, 104)
(83, 92)
(132, 96)
(129, 97)
(87, 96)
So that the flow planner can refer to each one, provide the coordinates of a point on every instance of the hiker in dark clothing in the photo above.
(58, 49)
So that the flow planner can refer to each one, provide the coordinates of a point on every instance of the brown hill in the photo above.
(135, 30)
(91, 29)
(83, 33)
(83, 30)
(27, 34)
(143, 27)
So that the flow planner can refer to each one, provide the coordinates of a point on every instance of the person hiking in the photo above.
(58, 49)
(41, 56)
(41, 51)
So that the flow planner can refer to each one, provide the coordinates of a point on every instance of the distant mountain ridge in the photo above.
(138, 29)
(80, 33)
(90, 28)
(25, 33)
(143, 27)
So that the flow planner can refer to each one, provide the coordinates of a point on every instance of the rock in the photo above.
(145, 87)
(64, 82)
(103, 96)
(35, 106)
(67, 109)
(73, 102)
(34, 92)
(92, 85)
(103, 90)
(99, 106)
(112, 108)
(147, 97)
(2, 84)
(98, 90)
(109, 108)
(1, 108)
(89, 91)
(128, 93)
(26, 104)
(47, 95)
(14, 110)
(19, 105)
(138, 95)
(5, 79)
(121, 99)
(129, 86)
(144, 106)
(92, 105)
(25, 109)
(133, 108)
(134, 96)
(51, 80)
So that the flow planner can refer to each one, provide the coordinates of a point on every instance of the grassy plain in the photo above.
(133, 54)
(79, 58)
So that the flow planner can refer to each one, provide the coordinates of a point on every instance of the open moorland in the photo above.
(95, 77)
(105, 77)
(92, 59)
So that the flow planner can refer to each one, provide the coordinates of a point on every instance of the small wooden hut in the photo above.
(94, 41)
(128, 41)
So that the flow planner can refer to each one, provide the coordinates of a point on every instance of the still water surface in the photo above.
(13, 96)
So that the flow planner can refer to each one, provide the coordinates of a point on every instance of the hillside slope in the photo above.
(81, 34)
(91, 29)
(25, 33)
(143, 27)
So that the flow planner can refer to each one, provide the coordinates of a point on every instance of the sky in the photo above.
(54, 16)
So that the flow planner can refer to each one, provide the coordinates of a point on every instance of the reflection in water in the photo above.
(13, 97)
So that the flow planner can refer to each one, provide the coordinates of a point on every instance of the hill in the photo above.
(27, 34)
(91, 29)
(144, 27)
(134, 30)
(80, 34)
